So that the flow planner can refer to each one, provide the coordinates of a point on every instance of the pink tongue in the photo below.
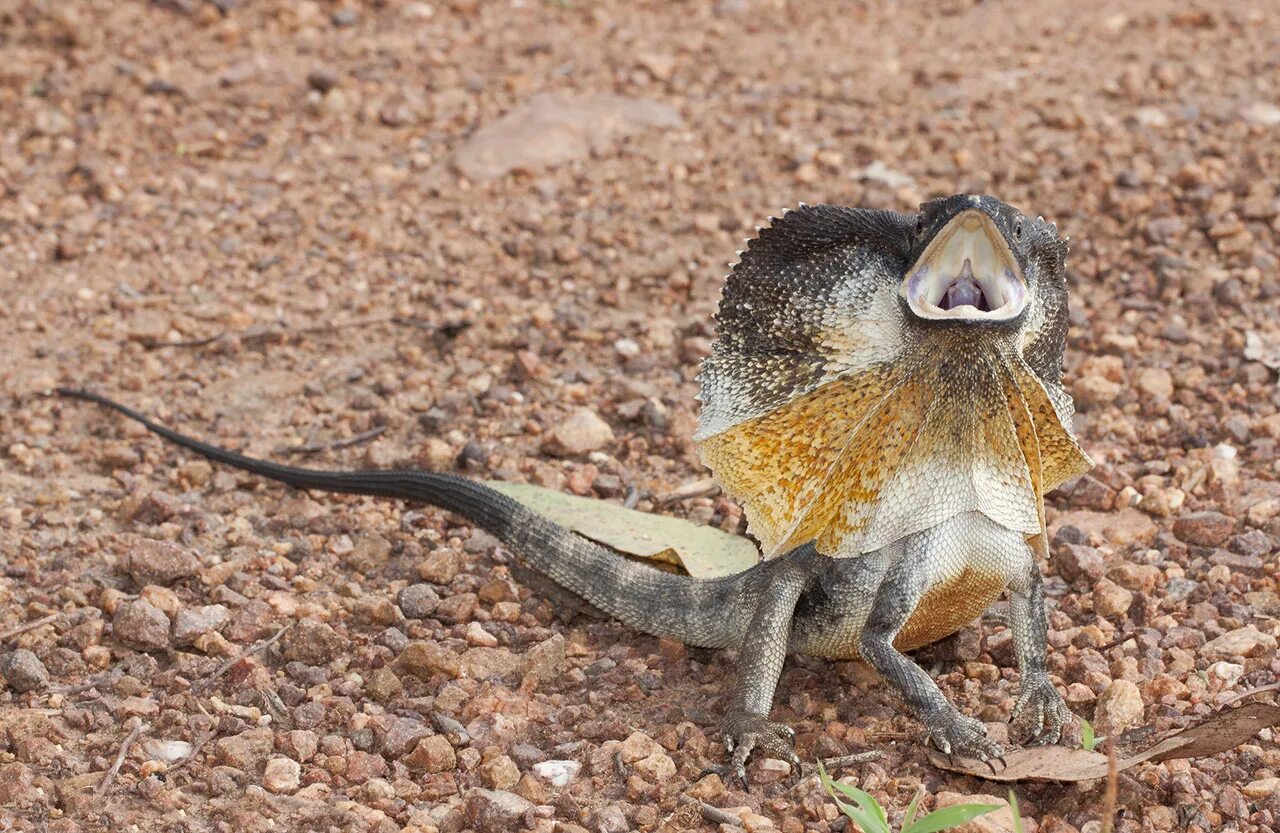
(965, 291)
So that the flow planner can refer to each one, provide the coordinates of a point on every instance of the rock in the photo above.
(553, 128)
(166, 751)
(491, 663)
(23, 671)
(459, 607)
(418, 601)
(496, 811)
(557, 773)
(361, 766)
(158, 562)
(501, 773)
(193, 622)
(545, 660)
(282, 776)
(1260, 789)
(313, 643)
(1140, 578)
(141, 625)
(440, 567)
(477, 635)
(1076, 562)
(1110, 599)
(1204, 529)
(1119, 707)
(402, 735)
(1155, 382)
(322, 79)
(370, 552)
(1116, 529)
(247, 750)
(1241, 642)
(1255, 543)
(657, 768)
(17, 782)
(582, 432)
(998, 821)
(1095, 391)
(433, 753)
(423, 659)
(638, 745)
(299, 744)
(436, 455)
(383, 685)
(1261, 113)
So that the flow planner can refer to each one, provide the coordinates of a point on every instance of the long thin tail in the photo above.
(703, 612)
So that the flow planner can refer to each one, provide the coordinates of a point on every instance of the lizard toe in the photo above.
(962, 736)
(1042, 712)
(748, 734)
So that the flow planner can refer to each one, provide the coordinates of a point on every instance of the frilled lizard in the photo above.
(885, 400)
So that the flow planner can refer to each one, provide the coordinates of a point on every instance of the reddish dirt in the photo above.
(201, 202)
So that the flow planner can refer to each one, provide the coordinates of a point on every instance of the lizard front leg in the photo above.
(1039, 702)
(763, 651)
(901, 590)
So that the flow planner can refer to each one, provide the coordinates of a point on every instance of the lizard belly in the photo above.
(971, 561)
(974, 560)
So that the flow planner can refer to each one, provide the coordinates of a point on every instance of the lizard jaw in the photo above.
(966, 273)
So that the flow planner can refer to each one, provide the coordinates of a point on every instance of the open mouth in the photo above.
(966, 273)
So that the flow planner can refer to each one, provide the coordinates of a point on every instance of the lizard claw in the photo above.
(1043, 709)
(746, 734)
(955, 734)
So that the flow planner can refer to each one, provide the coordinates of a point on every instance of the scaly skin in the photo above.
(869, 589)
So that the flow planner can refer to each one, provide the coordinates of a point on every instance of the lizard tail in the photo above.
(702, 612)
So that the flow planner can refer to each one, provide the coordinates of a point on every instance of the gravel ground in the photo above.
(437, 231)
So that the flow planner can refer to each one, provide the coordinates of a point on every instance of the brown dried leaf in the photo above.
(1222, 731)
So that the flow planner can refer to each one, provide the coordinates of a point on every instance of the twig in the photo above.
(1116, 643)
(712, 814)
(153, 344)
(207, 683)
(1249, 693)
(9, 633)
(282, 330)
(105, 783)
(346, 442)
(848, 760)
(95, 681)
(1113, 787)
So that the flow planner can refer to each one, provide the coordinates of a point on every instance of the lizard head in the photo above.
(976, 261)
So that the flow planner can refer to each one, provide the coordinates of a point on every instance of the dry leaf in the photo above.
(1220, 732)
(703, 551)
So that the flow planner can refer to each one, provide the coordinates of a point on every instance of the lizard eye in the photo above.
(919, 226)
(1017, 230)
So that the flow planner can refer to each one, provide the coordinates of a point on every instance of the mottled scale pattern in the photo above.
(791, 320)
(835, 418)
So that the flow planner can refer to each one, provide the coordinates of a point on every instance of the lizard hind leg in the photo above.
(907, 582)
(746, 725)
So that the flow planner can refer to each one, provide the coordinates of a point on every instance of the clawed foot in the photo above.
(745, 734)
(1043, 709)
(955, 734)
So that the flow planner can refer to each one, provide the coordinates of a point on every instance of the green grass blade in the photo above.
(1017, 815)
(868, 815)
(949, 817)
(910, 815)
(1087, 740)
